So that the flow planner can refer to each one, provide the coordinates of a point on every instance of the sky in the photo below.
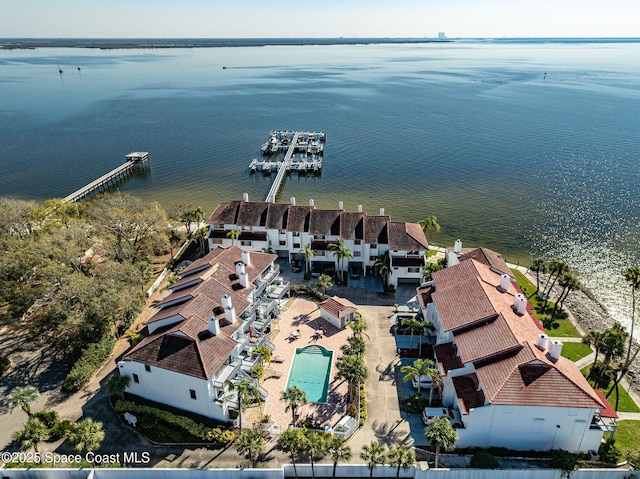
(319, 18)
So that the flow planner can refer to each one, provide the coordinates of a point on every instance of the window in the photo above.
(147, 368)
(296, 233)
(283, 242)
(395, 267)
(282, 232)
(136, 379)
(372, 258)
(192, 393)
(320, 253)
(537, 424)
(374, 245)
(245, 243)
(216, 241)
(319, 237)
(358, 241)
(296, 245)
(413, 270)
(246, 228)
(357, 254)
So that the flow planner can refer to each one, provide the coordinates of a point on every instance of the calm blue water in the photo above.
(310, 371)
(474, 133)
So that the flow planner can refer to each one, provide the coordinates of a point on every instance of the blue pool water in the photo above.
(311, 371)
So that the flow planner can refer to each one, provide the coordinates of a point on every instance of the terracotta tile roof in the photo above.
(462, 305)
(324, 222)
(424, 294)
(299, 218)
(487, 257)
(375, 229)
(352, 225)
(277, 216)
(336, 306)
(188, 348)
(252, 213)
(469, 396)
(486, 340)
(225, 213)
(406, 236)
(448, 359)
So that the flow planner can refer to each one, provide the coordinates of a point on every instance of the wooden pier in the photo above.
(304, 150)
(133, 161)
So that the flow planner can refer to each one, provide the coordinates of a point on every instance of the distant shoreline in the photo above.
(127, 43)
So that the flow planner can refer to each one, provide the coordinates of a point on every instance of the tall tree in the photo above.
(539, 266)
(413, 325)
(441, 434)
(22, 397)
(118, 384)
(373, 454)
(198, 215)
(32, 433)
(250, 443)
(339, 451)
(382, 268)
(233, 234)
(246, 393)
(308, 253)
(295, 397)
(265, 354)
(402, 457)
(86, 435)
(595, 339)
(419, 368)
(429, 223)
(324, 283)
(341, 252)
(352, 369)
(317, 446)
(292, 441)
(569, 283)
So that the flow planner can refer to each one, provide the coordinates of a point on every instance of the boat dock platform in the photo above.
(133, 160)
(304, 154)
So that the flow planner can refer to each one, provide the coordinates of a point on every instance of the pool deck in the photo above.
(304, 315)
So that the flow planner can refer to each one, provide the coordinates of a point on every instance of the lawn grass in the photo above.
(625, 403)
(554, 322)
(626, 436)
(575, 351)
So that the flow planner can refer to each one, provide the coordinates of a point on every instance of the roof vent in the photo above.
(555, 350)
(542, 341)
(520, 304)
(457, 246)
(293, 200)
(245, 197)
(505, 280)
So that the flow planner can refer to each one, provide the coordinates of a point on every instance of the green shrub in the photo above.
(258, 370)
(48, 418)
(134, 338)
(363, 405)
(415, 403)
(60, 429)
(608, 452)
(220, 436)
(5, 363)
(91, 359)
(484, 460)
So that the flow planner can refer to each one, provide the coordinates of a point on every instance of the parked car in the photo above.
(453, 415)
(425, 382)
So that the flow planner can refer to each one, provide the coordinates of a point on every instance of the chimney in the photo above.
(555, 350)
(359, 208)
(226, 301)
(230, 314)
(244, 278)
(240, 268)
(381, 211)
(505, 280)
(293, 200)
(457, 247)
(520, 304)
(245, 197)
(312, 203)
(214, 325)
(340, 205)
(246, 257)
(541, 344)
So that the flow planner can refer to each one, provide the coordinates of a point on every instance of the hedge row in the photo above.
(91, 359)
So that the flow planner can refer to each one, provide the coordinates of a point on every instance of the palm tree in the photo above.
(556, 269)
(539, 266)
(197, 214)
(632, 276)
(247, 393)
(265, 354)
(428, 223)
(22, 397)
(251, 443)
(569, 283)
(33, 432)
(295, 397)
(441, 434)
(594, 339)
(341, 252)
(233, 234)
(358, 325)
(324, 283)
(292, 441)
(413, 325)
(316, 446)
(339, 450)
(117, 385)
(613, 347)
(174, 239)
(352, 369)
(308, 254)
(86, 435)
(401, 457)
(355, 345)
(420, 367)
(373, 454)
(382, 268)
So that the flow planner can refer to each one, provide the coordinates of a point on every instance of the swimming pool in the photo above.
(310, 372)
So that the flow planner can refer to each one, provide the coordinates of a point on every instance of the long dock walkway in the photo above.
(133, 161)
(284, 167)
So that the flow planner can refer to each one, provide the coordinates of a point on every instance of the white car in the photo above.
(425, 382)
(453, 415)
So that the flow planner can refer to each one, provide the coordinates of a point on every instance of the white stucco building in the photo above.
(507, 379)
(288, 228)
(338, 311)
(204, 333)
